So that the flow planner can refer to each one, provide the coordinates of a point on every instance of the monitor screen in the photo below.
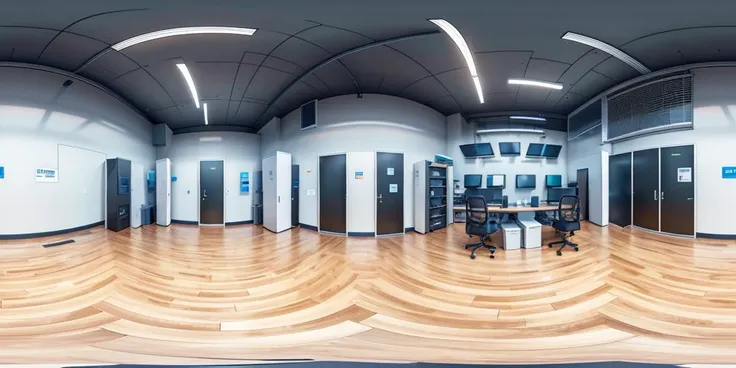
(496, 181)
(473, 180)
(526, 181)
(553, 181)
(551, 150)
(534, 150)
(477, 150)
(309, 115)
(509, 148)
(554, 194)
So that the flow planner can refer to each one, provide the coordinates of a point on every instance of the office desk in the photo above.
(497, 209)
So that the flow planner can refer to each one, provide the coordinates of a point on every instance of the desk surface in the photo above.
(512, 209)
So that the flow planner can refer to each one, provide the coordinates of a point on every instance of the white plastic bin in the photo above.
(532, 234)
(511, 236)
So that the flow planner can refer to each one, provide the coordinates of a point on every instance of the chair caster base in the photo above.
(492, 256)
(576, 249)
(472, 256)
(559, 253)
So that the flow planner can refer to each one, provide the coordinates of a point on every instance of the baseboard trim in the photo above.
(182, 222)
(308, 227)
(50, 233)
(715, 236)
(409, 229)
(362, 234)
(246, 222)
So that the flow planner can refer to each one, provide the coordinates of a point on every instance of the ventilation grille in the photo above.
(585, 120)
(653, 105)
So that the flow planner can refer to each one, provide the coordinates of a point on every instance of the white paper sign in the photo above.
(390, 171)
(684, 174)
(47, 176)
(393, 188)
(497, 180)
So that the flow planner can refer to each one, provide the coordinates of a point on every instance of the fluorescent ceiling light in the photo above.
(190, 82)
(456, 37)
(600, 45)
(512, 130)
(180, 32)
(535, 118)
(210, 139)
(206, 121)
(529, 82)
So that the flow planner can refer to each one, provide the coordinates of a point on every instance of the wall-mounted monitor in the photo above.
(473, 181)
(553, 181)
(496, 181)
(551, 150)
(477, 150)
(526, 181)
(509, 148)
(309, 115)
(534, 150)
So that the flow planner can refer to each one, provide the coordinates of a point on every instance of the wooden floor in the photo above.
(188, 295)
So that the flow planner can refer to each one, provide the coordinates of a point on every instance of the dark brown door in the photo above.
(333, 194)
(677, 194)
(211, 210)
(583, 193)
(619, 189)
(389, 193)
(646, 189)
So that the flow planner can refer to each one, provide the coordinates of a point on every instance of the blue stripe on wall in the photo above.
(362, 234)
(184, 222)
(239, 223)
(308, 227)
(715, 236)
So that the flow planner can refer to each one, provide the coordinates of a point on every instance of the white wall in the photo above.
(714, 137)
(460, 132)
(241, 152)
(585, 152)
(74, 129)
(362, 205)
(351, 124)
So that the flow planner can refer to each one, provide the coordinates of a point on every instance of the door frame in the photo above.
(587, 191)
(199, 193)
(695, 187)
(375, 193)
(347, 194)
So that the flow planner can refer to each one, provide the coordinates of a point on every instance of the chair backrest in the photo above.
(476, 210)
(569, 209)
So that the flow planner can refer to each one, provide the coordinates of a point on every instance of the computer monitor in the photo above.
(534, 150)
(492, 195)
(496, 181)
(477, 150)
(526, 181)
(509, 148)
(473, 180)
(553, 181)
(551, 150)
(554, 194)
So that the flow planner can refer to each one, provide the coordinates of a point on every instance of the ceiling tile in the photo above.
(424, 50)
(69, 51)
(283, 66)
(267, 83)
(425, 90)
(215, 80)
(333, 39)
(23, 44)
(109, 66)
(301, 52)
(142, 90)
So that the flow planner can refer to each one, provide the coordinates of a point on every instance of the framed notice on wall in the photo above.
(244, 182)
(47, 176)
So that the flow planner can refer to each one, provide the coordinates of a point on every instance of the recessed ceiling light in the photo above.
(529, 82)
(511, 130)
(190, 82)
(210, 139)
(535, 118)
(600, 45)
(180, 32)
(456, 37)
(206, 121)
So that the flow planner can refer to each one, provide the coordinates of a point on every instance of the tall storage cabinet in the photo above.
(277, 192)
(118, 194)
(430, 196)
(163, 192)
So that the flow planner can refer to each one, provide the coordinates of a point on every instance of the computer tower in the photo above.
(535, 201)
(505, 201)
(118, 194)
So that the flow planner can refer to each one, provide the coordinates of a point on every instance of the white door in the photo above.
(163, 192)
(269, 193)
(283, 187)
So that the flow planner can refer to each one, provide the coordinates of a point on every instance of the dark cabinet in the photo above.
(118, 194)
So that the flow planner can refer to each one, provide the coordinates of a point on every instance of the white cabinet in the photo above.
(163, 192)
(277, 192)
(532, 237)
(511, 236)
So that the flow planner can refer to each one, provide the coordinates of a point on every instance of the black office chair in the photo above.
(567, 221)
(478, 222)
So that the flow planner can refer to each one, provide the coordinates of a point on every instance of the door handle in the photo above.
(278, 199)
(655, 194)
(661, 195)
(204, 195)
(689, 199)
(380, 196)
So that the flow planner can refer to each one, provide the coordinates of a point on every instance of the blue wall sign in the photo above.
(244, 182)
(173, 178)
(728, 172)
(2, 172)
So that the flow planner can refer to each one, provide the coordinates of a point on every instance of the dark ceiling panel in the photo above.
(337, 78)
(460, 85)
(109, 66)
(496, 68)
(425, 90)
(169, 115)
(216, 80)
(581, 67)
(424, 50)
(267, 83)
(253, 58)
(247, 114)
(69, 51)
(395, 69)
(444, 104)
(242, 80)
(216, 112)
(142, 90)
(333, 39)
(318, 84)
(301, 52)
(23, 44)
(591, 84)
(208, 48)
(545, 70)
(612, 68)
(502, 101)
(300, 94)
(283, 65)
(570, 102)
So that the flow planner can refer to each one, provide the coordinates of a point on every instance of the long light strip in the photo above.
(535, 118)
(190, 82)
(206, 121)
(456, 37)
(600, 45)
(180, 32)
(529, 82)
(511, 130)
